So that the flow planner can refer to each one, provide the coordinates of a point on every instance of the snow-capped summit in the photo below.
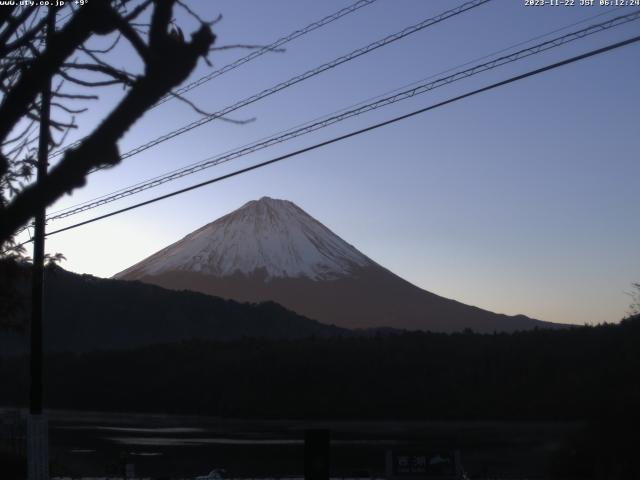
(274, 237)
(272, 250)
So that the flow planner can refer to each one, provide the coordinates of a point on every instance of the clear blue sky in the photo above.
(520, 200)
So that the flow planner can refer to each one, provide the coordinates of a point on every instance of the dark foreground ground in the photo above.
(586, 379)
(95, 444)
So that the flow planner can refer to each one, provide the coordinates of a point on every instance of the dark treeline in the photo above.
(82, 315)
(538, 375)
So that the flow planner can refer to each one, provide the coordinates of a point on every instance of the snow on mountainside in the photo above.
(268, 235)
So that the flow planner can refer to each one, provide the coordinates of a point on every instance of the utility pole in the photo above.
(37, 425)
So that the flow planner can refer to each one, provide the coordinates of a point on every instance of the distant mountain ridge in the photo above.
(86, 313)
(272, 250)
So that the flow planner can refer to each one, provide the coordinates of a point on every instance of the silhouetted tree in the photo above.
(78, 69)
(634, 307)
(71, 58)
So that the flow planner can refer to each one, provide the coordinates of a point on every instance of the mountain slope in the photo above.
(86, 313)
(273, 236)
(273, 250)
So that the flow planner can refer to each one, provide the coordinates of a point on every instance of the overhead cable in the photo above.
(304, 76)
(325, 122)
(355, 133)
(251, 56)
(362, 102)
(269, 48)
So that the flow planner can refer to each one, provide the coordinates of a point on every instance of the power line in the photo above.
(251, 56)
(273, 46)
(325, 122)
(357, 132)
(306, 75)
(362, 102)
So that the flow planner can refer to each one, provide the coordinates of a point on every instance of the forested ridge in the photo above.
(86, 313)
(536, 375)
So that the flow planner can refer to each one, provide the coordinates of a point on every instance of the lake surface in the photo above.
(175, 446)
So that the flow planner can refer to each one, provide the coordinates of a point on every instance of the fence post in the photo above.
(316, 454)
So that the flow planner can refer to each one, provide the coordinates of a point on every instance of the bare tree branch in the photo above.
(209, 114)
(87, 83)
(99, 148)
(90, 19)
(120, 75)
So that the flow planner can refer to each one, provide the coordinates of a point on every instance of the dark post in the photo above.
(38, 245)
(316, 455)
(38, 461)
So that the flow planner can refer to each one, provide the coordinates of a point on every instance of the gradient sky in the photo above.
(519, 200)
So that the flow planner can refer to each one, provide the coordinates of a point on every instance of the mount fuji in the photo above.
(271, 249)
